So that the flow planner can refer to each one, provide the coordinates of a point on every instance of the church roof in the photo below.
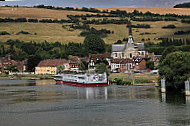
(122, 47)
(118, 47)
(140, 46)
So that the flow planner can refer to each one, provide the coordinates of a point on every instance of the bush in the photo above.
(4, 33)
(22, 32)
(142, 81)
(169, 26)
(182, 32)
(120, 82)
(32, 20)
(140, 26)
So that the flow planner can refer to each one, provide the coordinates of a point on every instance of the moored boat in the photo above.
(82, 80)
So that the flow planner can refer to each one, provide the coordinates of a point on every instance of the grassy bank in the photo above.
(137, 78)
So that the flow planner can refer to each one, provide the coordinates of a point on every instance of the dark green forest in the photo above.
(183, 5)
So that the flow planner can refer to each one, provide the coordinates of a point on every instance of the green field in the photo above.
(53, 32)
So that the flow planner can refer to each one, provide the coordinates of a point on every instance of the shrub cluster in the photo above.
(169, 26)
(120, 82)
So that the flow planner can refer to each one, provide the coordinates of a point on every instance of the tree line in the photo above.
(117, 12)
(36, 20)
(183, 5)
(180, 44)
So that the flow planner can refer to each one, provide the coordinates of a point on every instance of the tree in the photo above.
(33, 61)
(12, 68)
(82, 66)
(118, 42)
(94, 44)
(101, 68)
(175, 69)
(60, 68)
(167, 51)
(150, 65)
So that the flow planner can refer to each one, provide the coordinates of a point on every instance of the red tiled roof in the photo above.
(52, 63)
(99, 56)
(74, 59)
(122, 61)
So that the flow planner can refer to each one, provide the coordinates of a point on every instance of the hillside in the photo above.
(53, 32)
(183, 5)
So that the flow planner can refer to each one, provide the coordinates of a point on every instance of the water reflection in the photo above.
(92, 93)
(173, 98)
(44, 82)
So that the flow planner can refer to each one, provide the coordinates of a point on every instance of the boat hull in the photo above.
(82, 84)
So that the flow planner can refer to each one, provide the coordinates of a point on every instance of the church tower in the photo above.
(130, 40)
(130, 50)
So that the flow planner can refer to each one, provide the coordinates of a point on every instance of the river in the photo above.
(42, 103)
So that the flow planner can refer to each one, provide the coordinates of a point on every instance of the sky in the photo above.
(97, 3)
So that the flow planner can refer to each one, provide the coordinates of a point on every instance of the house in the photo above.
(21, 65)
(94, 58)
(122, 65)
(155, 58)
(140, 63)
(129, 49)
(6, 61)
(50, 66)
(74, 62)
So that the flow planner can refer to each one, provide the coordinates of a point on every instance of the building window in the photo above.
(130, 66)
(122, 55)
(115, 54)
(131, 55)
(142, 53)
(139, 53)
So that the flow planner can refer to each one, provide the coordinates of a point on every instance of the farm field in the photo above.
(53, 32)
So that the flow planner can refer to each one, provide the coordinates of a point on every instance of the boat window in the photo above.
(81, 78)
(58, 77)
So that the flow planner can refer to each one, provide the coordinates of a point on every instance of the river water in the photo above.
(42, 103)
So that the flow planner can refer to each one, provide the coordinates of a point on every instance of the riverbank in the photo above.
(21, 77)
(137, 79)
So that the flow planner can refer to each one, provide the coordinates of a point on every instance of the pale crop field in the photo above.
(39, 13)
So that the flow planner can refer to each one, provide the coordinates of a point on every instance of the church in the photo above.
(128, 50)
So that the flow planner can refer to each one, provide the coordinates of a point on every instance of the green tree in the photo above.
(12, 68)
(167, 51)
(60, 68)
(101, 68)
(94, 44)
(33, 61)
(82, 66)
(175, 69)
(150, 65)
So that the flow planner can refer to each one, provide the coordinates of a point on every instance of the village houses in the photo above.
(6, 61)
(130, 56)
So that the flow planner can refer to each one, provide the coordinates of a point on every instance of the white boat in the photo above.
(82, 80)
